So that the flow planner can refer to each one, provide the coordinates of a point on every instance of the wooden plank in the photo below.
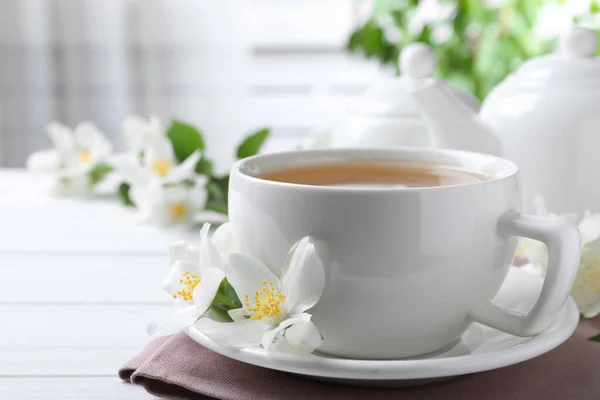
(32, 327)
(48, 224)
(73, 340)
(94, 278)
(44, 361)
(70, 388)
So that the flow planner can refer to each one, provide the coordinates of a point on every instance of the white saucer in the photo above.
(480, 348)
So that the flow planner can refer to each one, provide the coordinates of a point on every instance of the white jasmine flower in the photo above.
(393, 34)
(442, 32)
(535, 251)
(74, 154)
(586, 289)
(175, 204)
(43, 161)
(79, 149)
(76, 185)
(224, 241)
(138, 132)
(193, 281)
(274, 312)
(158, 164)
(430, 12)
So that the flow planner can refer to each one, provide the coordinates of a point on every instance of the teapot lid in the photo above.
(574, 61)
(390, 97)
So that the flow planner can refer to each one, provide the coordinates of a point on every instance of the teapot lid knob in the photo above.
(417, 61)
(579, 42)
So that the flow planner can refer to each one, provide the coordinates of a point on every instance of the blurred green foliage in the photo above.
(477, 45)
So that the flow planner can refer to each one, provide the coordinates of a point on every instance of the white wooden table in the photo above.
(79, 280)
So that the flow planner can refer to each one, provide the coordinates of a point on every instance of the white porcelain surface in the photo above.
(408, 268)
(480, 348)
(547, 117)
(387, 115)
(544, 117)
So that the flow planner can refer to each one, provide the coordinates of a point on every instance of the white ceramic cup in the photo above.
(408, 268)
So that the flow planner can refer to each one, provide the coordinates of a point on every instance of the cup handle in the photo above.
(564, 248)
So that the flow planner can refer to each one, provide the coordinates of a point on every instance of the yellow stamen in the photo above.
(177, 210)
(189, 283)
(160, 166)
(267, 302)
(85, 157)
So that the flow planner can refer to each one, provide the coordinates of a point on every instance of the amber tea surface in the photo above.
(376, 174)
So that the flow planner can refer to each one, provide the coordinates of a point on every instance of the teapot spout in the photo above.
(452, 124)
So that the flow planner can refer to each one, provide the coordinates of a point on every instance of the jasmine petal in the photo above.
(271, 307)
(303, 337)
(184, 170)
(192, 282)
(138, 132)
(303, 277)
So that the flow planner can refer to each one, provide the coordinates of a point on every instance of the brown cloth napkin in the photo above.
(176, 367)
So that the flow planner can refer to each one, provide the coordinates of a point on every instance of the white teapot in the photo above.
(545, 117)
(387, 115)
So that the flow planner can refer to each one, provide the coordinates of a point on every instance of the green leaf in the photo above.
(595, 338)
(99, 171)
(373, 40)
(124, 194)
(486, 44)
(185, 139)
(252, 144)
(226, 298)
(216, 191)
(204, 167)
(218, 314)
(217, 206)
(355, 41)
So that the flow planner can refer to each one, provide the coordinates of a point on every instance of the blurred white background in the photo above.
(228, 66)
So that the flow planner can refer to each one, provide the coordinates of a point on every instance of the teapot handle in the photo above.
(563, 242)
